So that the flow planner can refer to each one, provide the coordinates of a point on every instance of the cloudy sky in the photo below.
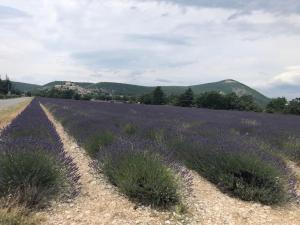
(153, 42)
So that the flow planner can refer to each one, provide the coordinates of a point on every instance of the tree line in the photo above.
(211, 100)
(282, 105)
(217, 100)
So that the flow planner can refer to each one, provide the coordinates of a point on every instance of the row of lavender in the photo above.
(242, 152)
(33, 165)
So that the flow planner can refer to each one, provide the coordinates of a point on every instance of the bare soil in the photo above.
(101, 203)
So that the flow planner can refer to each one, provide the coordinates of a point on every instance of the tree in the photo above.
(158, 96)
(247, 104)
(186, 99)
(146, 99)
(216, 100)
(5, 86)
(211, 100)
(277, 105)
(294, 106)
(232, 101)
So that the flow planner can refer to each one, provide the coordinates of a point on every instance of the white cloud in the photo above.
(147, 42)
(290, 76)
(286, 83)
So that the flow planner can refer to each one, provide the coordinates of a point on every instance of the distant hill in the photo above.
(24, 87)
(225, 86)
(52, 84)
(229, 86)
(122, 89)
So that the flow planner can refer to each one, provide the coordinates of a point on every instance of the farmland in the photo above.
(130, 163)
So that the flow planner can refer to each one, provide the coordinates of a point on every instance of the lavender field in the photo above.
(74, 157)
(33, 165)
(244, 154)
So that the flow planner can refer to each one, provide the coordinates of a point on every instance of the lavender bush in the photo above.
(33, 165)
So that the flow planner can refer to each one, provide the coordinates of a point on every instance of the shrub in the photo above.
(292, 145)
(31, 177)
(144, 178)
(130, 128)
(242, 175)
(95, 143)
(157, 135)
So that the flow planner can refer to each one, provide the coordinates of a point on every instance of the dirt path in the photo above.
(100, 203)
(215, 208)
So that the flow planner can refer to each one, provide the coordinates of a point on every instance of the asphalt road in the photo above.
(6, 103)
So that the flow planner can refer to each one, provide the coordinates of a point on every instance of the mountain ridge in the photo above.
(223, 86)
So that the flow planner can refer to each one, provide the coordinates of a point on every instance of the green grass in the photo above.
(129, 128)
(95, 143)
(292, 146)
(157, 135)
(144, 178)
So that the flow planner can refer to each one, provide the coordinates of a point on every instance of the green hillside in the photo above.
(122, 89)
(225, 86)
(228, 86)
(24, 87)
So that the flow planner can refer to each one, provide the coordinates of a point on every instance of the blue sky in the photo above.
(153, 42)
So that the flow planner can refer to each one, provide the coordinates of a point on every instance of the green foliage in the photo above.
(277, 105)
(216, 100)
(294, 106)
(25, 87)
(56, 93)
(143, 178)
(158, 97)
(211, 100)
(186, 99)
(244, 176)
(94, 145)
(157, 135)
(7, 87)
(84, 97)
(292, 147)
(129, 128)
(247, 104)
(281, 105)
(31, 177)
(146, 99)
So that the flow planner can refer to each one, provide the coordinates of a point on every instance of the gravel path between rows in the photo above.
(100, 203)
(6, 103)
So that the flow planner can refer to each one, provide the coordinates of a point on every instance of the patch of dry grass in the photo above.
(8, 114)
(18, 216)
